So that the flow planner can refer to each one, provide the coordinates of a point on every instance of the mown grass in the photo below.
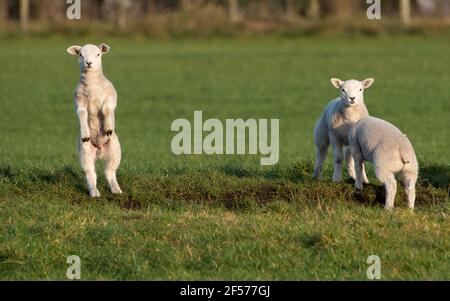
(219, 217)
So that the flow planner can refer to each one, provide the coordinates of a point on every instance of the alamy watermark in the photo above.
(74, 270)
(229, 139)
(374, 270)
(374, 9)
(73, 11)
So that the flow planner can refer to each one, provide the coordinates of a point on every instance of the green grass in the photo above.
(219, 217)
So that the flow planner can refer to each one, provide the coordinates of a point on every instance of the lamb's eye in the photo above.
(98, 54)
(360, 90)
(343, 90)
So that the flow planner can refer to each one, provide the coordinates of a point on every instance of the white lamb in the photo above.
(95, 102)
(390, 152)
(335, 124)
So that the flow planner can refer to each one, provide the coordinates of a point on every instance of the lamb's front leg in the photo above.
(337, 159)
(82, 112)
(350, 162)
(351, 166)
(108, 116)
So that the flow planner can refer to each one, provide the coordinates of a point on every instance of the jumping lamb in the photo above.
(390, 152)
(335, 124)
(95, 102)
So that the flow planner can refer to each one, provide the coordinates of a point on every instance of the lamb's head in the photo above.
(352, 91)
(89, 56)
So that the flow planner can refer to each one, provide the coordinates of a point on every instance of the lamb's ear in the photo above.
(368, 82)
(337, 82)
(104, 48)
(74, 50)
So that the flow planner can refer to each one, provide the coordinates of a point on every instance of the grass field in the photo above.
(219, 217)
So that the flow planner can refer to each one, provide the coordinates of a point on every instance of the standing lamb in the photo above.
(335, 124)
(95, 102)
(390, 152)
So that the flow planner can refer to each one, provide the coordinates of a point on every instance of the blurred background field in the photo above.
(160, 81)
(206, 18)
(219, 217)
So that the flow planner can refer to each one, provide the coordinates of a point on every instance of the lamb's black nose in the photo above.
(352, 98)
(89, 64)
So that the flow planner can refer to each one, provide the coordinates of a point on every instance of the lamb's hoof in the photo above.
(358, 190)
(116, 191)
(108, 132)
(352, 175)
(94, 193)
(317, 177)
(86, 139)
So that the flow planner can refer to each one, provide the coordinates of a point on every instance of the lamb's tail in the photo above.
(407, 154)
(405, 160)
(408, 157)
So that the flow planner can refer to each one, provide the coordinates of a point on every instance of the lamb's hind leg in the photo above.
(350, 164)
(359, 164)
(390, 184)
(365, 179)
(112, 162)
(322, 151)
(87, 159)
(410, 179)
(337, 160)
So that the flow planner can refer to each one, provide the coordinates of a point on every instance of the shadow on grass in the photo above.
(299, 172)
(35, 177)
(7, 173)
(231, 187)
(437, 175)
(64, 175)
(371, 195)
